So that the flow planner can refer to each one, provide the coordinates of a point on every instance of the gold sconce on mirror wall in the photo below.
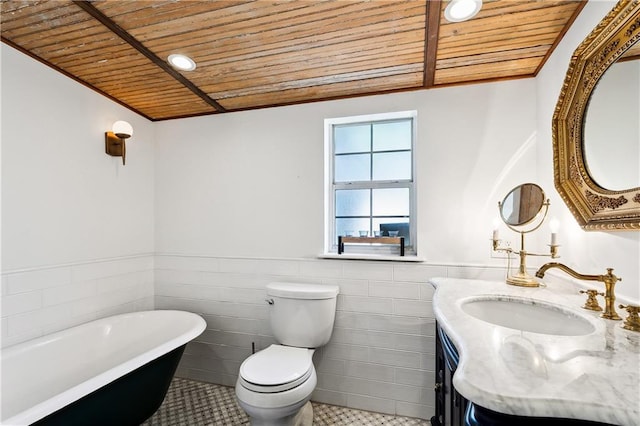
(114, 141)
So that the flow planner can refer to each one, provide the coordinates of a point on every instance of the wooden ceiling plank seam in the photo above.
(319, 81)
(130, 78)
(560, 36)
(297, 63)
(42, 47)
(498, 33)
(73, 61)
(54, 36)
(139, 89)
(73, 77)
(216, 22)
(309, 44)
(146, 52)
(85, 52)
(121, 7)
(283, 17)
(286, 74)
(524, 67)
(175, 111)
(34, 19)
(335, 43)
(269, 90)
(547, 26)
(139, 92)
(159, 101)
(159, 11)
(505, 56)
(500, 8)
(12, 7)
(372, 87)
(498, 46)
(127, 80)
(20, 10)
(283, 36)
(324, 56)
(501, 22)
(318, 66)
(507, 17)
(296, 81)
(152, 103)
(431, 37)
(114, 63)
(226, 48)
(198, 105)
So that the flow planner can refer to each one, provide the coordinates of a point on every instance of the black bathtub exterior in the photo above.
(127, 401)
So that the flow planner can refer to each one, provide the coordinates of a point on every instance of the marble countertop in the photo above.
(592, 377)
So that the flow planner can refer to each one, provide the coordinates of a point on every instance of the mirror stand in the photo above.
(536, 214)
(522, 278)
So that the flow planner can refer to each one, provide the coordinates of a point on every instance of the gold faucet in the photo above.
(609, 280)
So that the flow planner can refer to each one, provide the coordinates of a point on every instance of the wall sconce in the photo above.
(114, 140)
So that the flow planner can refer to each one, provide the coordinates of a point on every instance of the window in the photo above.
(370, 180)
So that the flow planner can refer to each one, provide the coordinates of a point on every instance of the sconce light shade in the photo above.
(114, 140)
(122, 129)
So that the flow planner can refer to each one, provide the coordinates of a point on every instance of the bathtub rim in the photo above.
(74, 393)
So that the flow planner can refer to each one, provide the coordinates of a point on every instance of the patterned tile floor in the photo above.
(191, 403)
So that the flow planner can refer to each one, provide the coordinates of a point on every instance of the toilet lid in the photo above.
(277, 365)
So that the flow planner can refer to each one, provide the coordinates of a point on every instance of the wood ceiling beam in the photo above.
(133, 42)
(432, 29)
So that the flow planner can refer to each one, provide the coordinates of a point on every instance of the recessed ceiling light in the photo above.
(462, 10)
(181, 62)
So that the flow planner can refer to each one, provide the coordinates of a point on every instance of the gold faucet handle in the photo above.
(632, 322)
(592, 302)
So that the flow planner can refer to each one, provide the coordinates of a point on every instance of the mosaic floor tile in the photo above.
(191, 403)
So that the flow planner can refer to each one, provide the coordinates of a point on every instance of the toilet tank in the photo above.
(302, 315)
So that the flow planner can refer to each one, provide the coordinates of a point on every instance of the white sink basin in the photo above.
(527, 315)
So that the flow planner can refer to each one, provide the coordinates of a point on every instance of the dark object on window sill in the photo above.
(370, 240)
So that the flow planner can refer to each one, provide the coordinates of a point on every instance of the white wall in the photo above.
(72, 217)
(588, 252)
(251, 183)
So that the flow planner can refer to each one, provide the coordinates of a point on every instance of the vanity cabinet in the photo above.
(452, 409)
(450, 405)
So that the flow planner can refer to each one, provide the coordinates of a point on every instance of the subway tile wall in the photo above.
(40, 301)
(381, 354)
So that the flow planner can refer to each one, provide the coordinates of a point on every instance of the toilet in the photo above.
(275, 384)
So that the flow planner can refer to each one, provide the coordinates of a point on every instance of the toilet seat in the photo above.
(276, 369)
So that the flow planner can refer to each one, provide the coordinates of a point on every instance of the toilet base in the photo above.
(304, 417)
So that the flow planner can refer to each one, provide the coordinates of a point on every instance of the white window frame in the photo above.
(330, 243)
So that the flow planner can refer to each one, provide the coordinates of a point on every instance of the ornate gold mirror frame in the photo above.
(594, 207)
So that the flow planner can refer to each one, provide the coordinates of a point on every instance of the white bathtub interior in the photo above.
(45, 374)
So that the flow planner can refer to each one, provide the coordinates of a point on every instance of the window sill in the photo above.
(355, 256)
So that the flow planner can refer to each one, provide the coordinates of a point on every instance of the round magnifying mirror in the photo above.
(522, 205)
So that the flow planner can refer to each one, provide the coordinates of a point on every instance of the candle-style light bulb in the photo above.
(496, 232)
(554, 225)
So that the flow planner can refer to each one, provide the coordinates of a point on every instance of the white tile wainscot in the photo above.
(381, 355)
(39, 301)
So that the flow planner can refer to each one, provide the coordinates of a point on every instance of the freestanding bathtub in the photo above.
(112, 371)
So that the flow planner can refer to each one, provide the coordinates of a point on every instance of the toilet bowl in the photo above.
(274, 385)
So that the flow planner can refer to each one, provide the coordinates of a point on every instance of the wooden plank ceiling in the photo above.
(257, 54)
